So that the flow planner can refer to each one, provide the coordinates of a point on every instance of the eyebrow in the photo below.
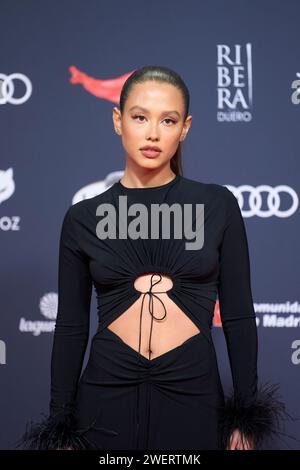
(147, 111)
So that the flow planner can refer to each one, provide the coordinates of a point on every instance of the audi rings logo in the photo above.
(7, 88)
(273, 200)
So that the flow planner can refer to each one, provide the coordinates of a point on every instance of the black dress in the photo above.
(124, 400)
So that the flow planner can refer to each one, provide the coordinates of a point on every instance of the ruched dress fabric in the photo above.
(122, 400)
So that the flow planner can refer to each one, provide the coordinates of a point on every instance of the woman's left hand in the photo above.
(240, 442)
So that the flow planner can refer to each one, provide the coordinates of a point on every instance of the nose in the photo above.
(152, 132)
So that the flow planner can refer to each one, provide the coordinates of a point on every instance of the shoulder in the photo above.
(84, 211)
(211, 191)
(213, 188)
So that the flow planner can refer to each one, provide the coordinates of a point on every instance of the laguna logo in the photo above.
(48, 308)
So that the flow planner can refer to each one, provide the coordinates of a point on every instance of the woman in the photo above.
(152, 379)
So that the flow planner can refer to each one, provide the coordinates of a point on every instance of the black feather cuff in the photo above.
(54, 432)
(258, 421)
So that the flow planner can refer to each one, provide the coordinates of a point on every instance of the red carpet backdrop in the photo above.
(62, 67)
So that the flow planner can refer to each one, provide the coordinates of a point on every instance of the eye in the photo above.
(171, 120)
(136, 116)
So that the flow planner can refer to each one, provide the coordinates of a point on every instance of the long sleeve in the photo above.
(59, 429)
(236, 305)
(73, 317)
(251, 407)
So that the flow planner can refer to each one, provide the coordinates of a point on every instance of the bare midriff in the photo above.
(172, 329)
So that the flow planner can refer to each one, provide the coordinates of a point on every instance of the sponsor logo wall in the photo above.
(58, 147)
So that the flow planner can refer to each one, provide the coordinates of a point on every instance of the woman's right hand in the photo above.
(239, 442)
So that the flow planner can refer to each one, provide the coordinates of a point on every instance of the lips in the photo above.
(151, 147)
(150, 152)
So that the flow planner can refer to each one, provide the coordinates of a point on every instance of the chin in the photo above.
(148, 163)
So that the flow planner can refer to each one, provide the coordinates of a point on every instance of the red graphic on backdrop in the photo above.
(107, 89)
